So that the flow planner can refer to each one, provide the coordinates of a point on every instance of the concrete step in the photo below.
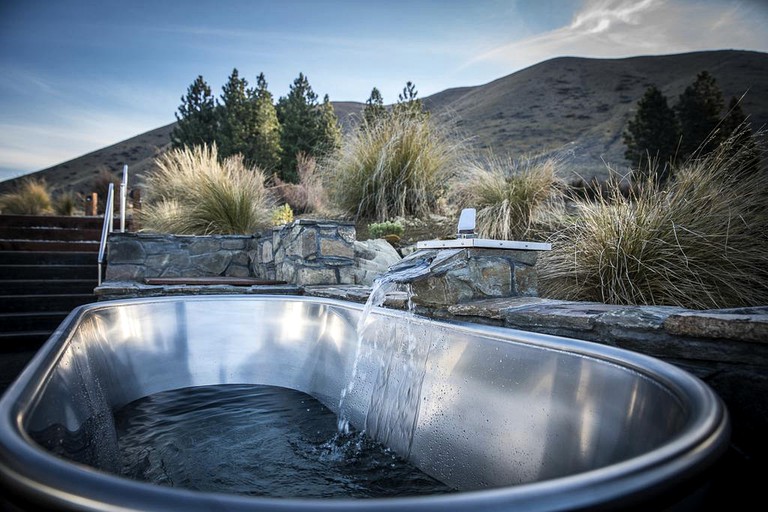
(47, 286)
(12, 362)
(23, 341)
(47, 258)
(48, 246)
(58, 221)
(29, 322)
(45, 271)
(38, 303)
(49, 233)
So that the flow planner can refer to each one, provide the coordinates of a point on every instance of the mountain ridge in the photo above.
(572, 107)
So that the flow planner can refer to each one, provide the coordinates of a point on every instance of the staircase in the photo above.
(47, 268)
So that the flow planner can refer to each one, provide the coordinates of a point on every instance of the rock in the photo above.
(722, 325)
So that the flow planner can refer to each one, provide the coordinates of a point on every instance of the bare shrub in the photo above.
(308, 195)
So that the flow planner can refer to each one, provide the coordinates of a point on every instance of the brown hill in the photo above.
(579, 107)
(575, 107)
(78, 174)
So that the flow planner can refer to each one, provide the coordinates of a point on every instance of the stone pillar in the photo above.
(464, 275)
(309, 252)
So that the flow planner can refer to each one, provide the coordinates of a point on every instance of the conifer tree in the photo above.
(196, 116)
(652, 136)
(408, 104)
(374, 109)
(698, 111)
(263, 136)
(300, 118)
(235, 119)
(330, 131)
(742, 140)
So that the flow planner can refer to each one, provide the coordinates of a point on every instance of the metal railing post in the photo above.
(106, 229)
(123, 188)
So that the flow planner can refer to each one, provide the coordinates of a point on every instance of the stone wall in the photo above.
(305, 252)
(134, 257)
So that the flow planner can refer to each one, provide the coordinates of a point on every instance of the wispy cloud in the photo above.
(620, 28)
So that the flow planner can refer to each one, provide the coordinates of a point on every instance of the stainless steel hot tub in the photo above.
(512, 419)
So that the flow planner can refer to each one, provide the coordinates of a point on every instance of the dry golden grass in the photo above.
(191, 192)
(509, 196)
(397, 167)
(700, 242)
(32, 197)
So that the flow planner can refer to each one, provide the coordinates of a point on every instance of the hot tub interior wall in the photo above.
(483, 412)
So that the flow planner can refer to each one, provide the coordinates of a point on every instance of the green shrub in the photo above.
(382, 229)
(191, 192)
(699, 242)
(397, 167)
(509, 196)
(282, 215)
(33, 197)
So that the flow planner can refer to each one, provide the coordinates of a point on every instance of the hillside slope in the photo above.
(579, 107)
(573, 107)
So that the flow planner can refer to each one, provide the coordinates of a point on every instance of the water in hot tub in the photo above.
(259, 441)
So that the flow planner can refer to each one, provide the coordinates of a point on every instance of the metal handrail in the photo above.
(106, 229)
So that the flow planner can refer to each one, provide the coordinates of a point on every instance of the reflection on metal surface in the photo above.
(546, 423)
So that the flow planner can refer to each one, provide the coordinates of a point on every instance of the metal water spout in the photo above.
(466, 237)
(466, 227)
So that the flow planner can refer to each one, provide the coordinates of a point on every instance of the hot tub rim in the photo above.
(684, 457)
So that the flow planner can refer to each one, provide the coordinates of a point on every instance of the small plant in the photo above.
(282, 215)
(33, 197)
(397, 167)
(508, 195)
(383, 229)
(191, 192)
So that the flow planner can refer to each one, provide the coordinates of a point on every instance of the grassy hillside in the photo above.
(77, 174)
(579, 107)
(575, 107)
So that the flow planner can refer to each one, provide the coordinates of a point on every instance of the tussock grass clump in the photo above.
(191, 192)
(398, 166)
(699, 242)
(67, 203)
(509, 196)
(33, 197)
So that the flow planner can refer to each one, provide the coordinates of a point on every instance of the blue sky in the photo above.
(78, 75)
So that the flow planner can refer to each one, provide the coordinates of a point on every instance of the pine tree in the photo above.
(235, 120)
(374, 109)
(408, 104)
(741, 141)
(300, 118)
(196, 117)
(698, 111)
(263, 130)
(330, 131)
(652, 136)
